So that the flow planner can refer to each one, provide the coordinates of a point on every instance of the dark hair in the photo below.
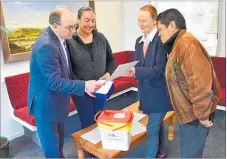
(84, 9)
(55, 17)
(172, 15)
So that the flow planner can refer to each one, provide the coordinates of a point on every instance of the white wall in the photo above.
(221, 50)
(109, 22)
(131, 30)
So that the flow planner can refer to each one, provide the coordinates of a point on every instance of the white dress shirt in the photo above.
(149, 38)
(63, 47)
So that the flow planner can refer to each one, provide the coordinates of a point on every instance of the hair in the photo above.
(55, 15)
(84, 9)
(172, 15)
(151, 9)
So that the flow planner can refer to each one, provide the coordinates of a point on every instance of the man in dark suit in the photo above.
(50, 85)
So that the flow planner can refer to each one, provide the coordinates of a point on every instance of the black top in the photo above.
(169, 43)
(89, 48)
(90, 61)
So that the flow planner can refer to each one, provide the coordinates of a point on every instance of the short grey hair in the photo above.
(55, 15)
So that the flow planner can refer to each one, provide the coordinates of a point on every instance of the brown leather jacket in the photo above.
(193, 86)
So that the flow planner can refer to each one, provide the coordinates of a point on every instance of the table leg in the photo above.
(172, 128)
(80, 151)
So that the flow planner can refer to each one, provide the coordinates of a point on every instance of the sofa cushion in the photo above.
(22, 113)
(219, 64)
(124, 57)
(222, 100)
(133, 81)
(17, 87)
(121, 58)
(120, 85)
(131, 56)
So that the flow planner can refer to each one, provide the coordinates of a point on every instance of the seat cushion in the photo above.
(220, 69)
(17, 87)
(120, 85)
(22, 113)
(121, 58)
(133, 81)
(222, 100)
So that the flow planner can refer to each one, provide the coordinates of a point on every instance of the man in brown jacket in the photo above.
(191, 80)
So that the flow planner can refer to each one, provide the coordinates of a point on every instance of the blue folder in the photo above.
(105, 91)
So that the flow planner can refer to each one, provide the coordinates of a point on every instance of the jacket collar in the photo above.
(180, 34)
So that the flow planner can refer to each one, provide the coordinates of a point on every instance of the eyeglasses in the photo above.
(70, 27)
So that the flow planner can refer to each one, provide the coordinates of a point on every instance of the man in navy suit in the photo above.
(50, 85)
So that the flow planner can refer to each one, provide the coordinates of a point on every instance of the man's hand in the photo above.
(92, 86)
(105, 76)
(207, 123)
(132, 72)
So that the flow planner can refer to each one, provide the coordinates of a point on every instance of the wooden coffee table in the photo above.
(97, 150)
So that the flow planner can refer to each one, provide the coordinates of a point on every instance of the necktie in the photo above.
(67, 53)
(145, 46)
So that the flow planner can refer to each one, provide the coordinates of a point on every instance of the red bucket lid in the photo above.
(118, 116)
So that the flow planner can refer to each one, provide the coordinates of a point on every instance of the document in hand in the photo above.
(105, 91)
(121, 70)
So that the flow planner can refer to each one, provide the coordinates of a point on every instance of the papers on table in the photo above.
(137, 128)
(94, 135)
(138, 116)
(121, 70)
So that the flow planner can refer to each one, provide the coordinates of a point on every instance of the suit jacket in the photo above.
(149, 71)
(50, 84)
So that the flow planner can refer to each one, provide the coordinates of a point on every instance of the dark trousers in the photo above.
(87, 107)
(193, 138)
(51, 135)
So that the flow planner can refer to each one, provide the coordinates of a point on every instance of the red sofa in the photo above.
(219, 64)
(17, 87)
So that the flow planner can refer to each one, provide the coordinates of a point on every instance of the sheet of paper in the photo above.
(121, 70)
(105, 88)
(93, 136)
(137, 128)
(138, 116)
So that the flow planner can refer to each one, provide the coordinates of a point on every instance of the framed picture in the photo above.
(22, 22)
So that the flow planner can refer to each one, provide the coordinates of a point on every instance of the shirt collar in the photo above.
(60, 39)
(149, 37)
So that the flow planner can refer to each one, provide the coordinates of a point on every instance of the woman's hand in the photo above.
(132, 72)
(105, 76)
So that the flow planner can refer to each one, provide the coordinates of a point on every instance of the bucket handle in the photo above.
(98, 113)
(96, 116)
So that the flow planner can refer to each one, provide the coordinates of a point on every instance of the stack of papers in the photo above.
(93, 136)
(138, 116)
